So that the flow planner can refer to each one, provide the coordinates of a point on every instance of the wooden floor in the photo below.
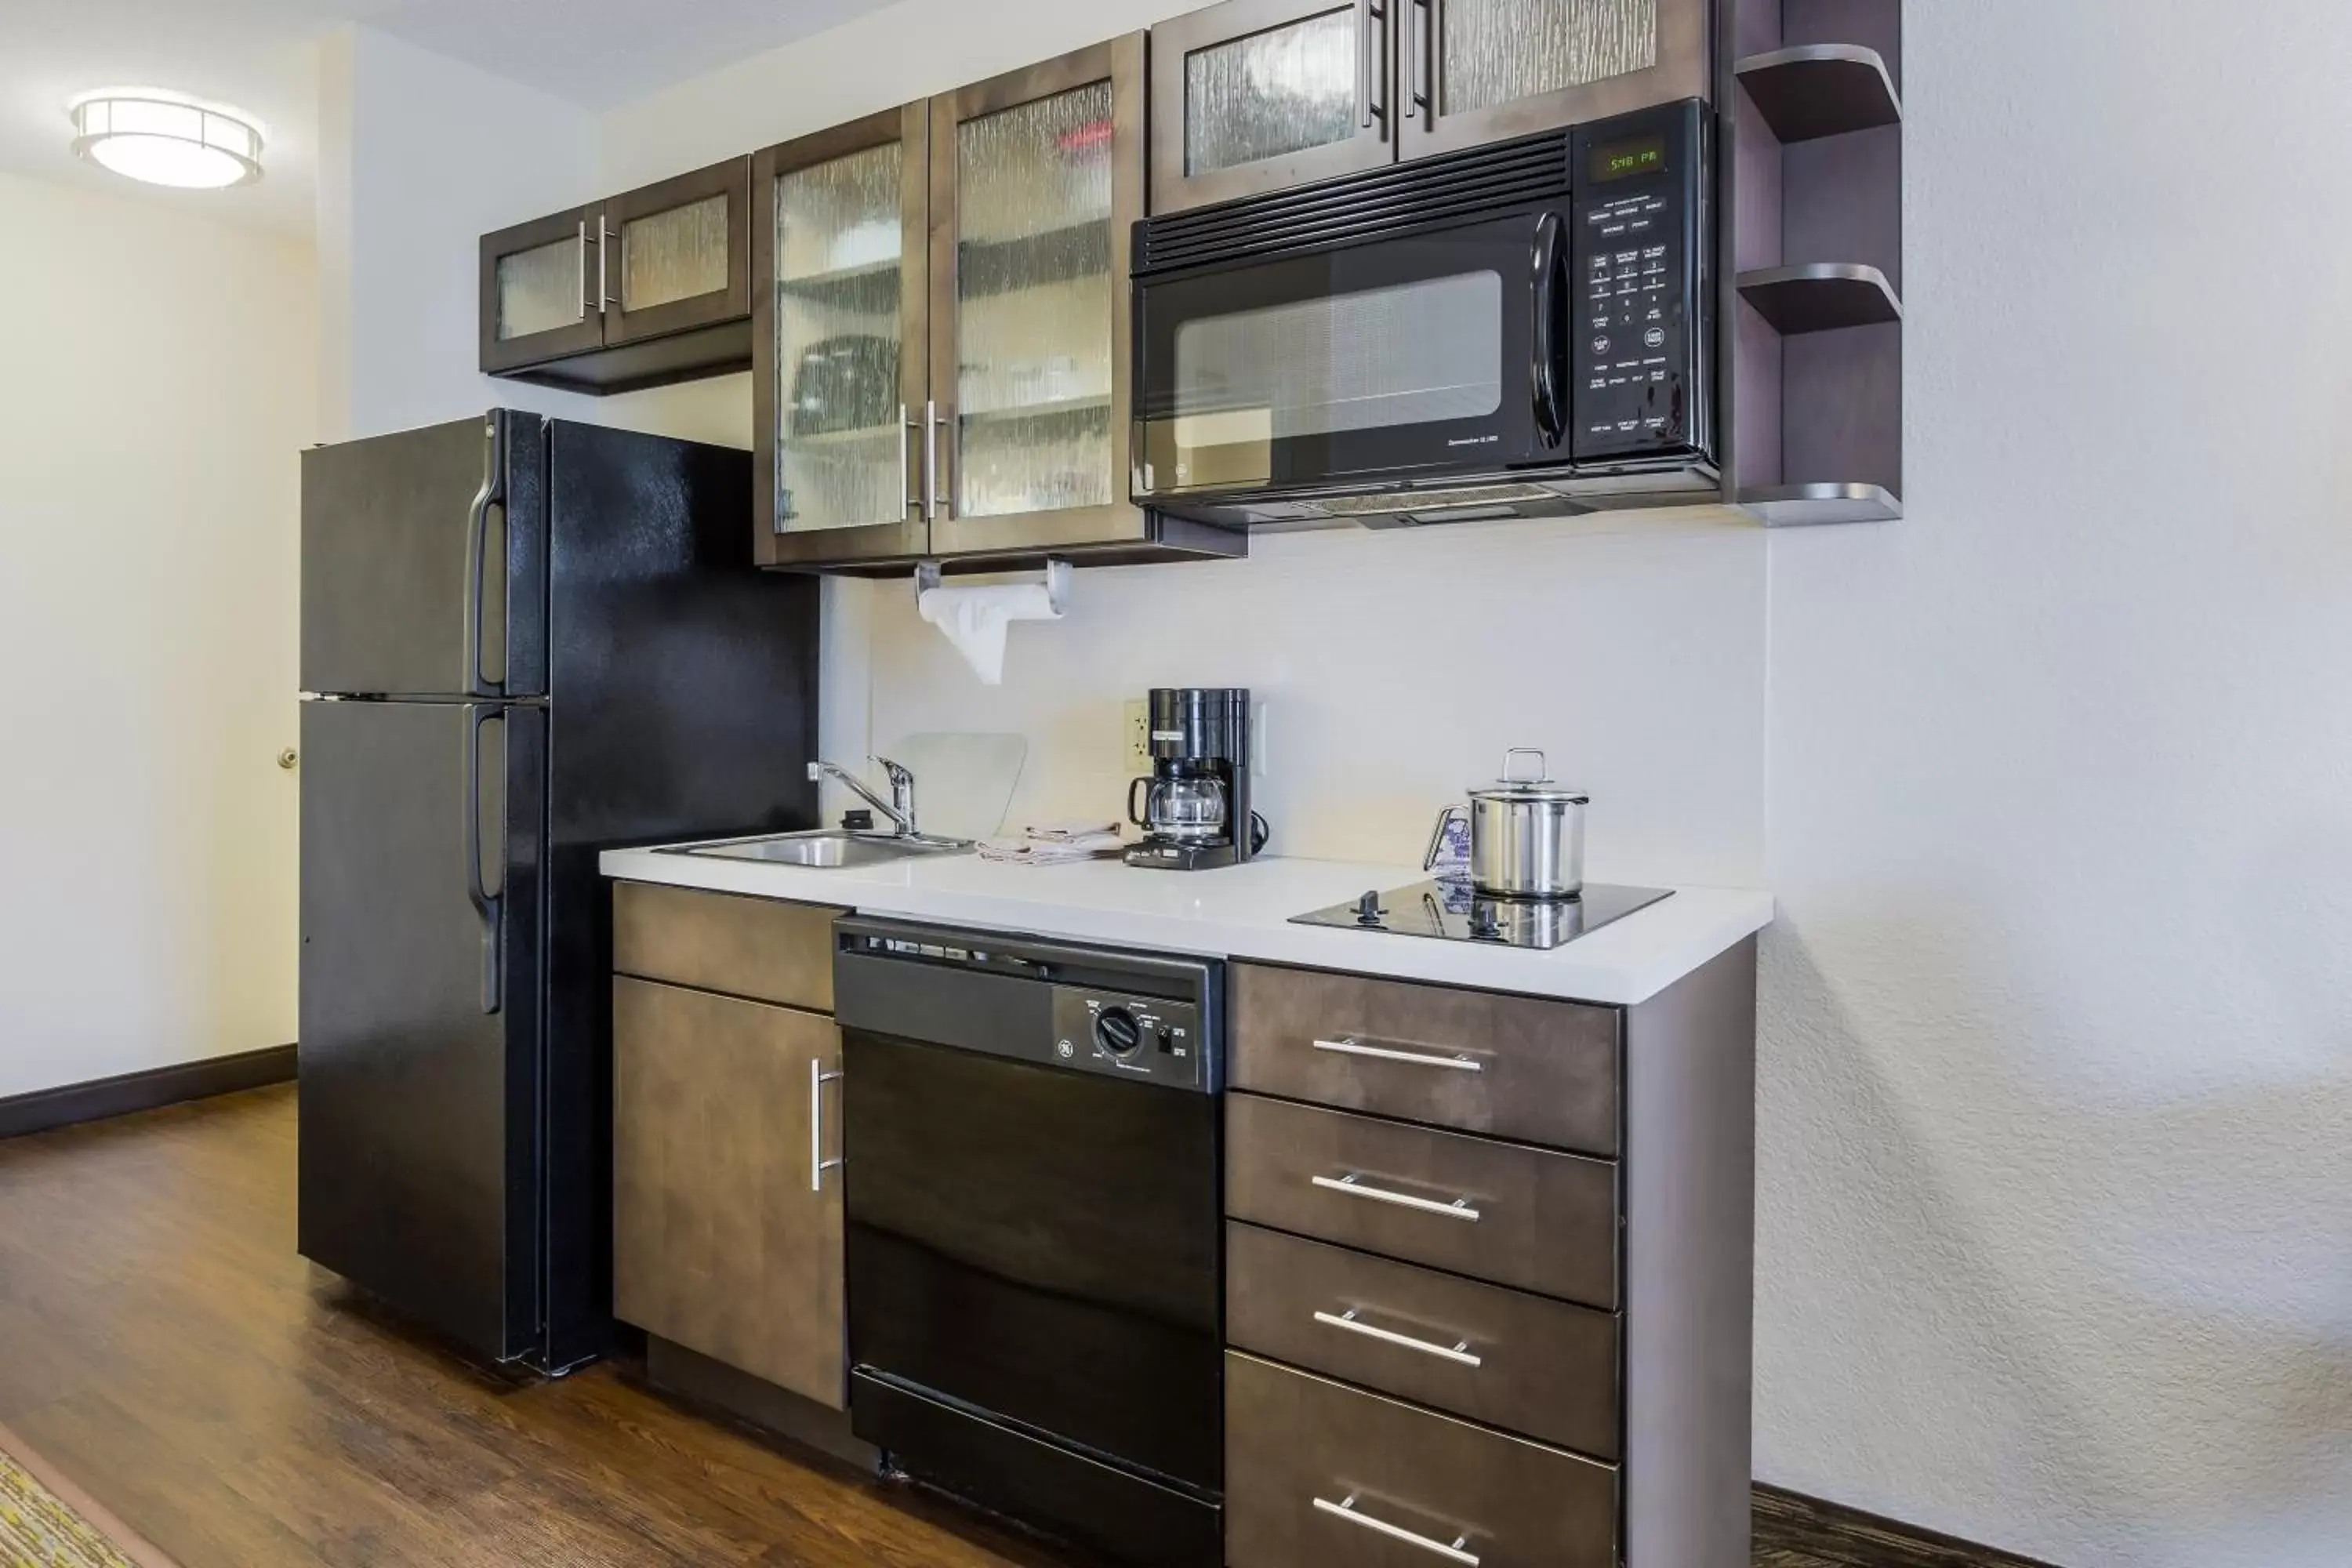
(161, 1344)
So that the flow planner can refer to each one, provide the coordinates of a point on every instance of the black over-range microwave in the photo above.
(1522, 329)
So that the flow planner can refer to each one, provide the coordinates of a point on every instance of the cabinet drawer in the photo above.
(1318, 1472)
(1499, 1356)
(1503, 1212)
(761, 947)
(1540, 1072)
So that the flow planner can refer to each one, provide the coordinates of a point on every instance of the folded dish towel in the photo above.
(1055, 844)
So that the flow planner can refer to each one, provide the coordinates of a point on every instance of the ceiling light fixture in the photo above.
(166, 140)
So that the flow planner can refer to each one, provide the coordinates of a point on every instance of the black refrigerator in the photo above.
(523, 640)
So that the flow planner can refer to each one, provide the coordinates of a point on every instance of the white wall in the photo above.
(419, 156)
(159, 384)
(2056, 1166)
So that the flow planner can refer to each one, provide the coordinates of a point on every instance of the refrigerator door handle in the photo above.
(488, 905)
(478, 541)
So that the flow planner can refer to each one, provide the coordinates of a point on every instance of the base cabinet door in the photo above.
(726, 1219)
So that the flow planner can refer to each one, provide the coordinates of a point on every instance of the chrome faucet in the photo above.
(899, 808)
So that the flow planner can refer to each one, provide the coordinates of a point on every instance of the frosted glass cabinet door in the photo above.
(1036, 178)
(678, 254)
(839, 341)
(1254, 95)
(539, 286)
(1481, 70)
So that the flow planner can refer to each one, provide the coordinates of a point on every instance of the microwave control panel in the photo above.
(1639, 321)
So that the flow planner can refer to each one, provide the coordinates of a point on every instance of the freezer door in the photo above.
(424, 567)
(420, 996)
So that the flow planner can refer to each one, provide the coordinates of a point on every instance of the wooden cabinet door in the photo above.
(840, 342)
(726, 1219)
(1037, 178)
(1255, 94)
(1484, 71)
(675, 254)
(539, 290)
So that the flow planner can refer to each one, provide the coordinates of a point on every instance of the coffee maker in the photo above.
(1195, 805)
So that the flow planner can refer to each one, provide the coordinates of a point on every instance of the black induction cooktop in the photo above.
(1452, 912)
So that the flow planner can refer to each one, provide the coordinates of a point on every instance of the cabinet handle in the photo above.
(1460, 1355)
(1418, 48)
(1352, 1046)
(1371, 101)
(1354, 1187)
(935, 499)
(605, 238)
(1345, 1508)
(583, 269)
(908, 477)
(818, 1163)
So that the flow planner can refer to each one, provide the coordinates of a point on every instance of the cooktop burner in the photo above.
(1452, 912)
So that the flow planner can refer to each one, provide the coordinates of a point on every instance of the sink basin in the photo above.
(827, 847)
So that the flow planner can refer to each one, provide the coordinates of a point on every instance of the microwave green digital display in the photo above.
(1626, 160)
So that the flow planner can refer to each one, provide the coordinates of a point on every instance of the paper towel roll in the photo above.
(974, 620)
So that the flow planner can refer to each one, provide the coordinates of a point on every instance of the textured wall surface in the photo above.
(2056, 1174)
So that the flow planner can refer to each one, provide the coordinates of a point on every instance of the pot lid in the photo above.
(1517, 784)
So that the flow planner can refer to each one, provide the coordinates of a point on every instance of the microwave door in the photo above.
(1398, 359)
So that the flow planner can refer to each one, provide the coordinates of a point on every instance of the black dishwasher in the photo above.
(1031, 1146)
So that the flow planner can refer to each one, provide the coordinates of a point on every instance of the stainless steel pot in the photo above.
(1527, 834)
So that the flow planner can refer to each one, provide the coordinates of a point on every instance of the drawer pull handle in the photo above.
(1460, 1355)
(1458, 1209)
(1352, 1046)
(1345, 1510)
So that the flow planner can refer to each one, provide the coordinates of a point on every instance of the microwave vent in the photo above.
(1354, 207)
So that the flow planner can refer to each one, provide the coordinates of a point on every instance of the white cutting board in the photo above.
(964, 782)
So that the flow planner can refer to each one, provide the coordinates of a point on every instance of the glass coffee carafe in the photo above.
(1188, 807)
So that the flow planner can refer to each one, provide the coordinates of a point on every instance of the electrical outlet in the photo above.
(1137, 728)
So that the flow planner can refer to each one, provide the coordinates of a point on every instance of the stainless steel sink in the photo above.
(828, 847)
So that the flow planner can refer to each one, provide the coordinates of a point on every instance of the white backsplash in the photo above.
(1395, 668)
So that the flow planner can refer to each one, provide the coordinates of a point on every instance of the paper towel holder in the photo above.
(1057, 581)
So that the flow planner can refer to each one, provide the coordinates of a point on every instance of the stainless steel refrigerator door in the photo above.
(420, 992)
(424, 562)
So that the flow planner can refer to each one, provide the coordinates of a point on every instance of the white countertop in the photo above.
(1239, 911)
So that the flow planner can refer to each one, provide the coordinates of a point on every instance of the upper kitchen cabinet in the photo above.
(1480, 70)
(1254, 95)
(1037, 180)
(840, 237)
(637, 290)
(942, 330)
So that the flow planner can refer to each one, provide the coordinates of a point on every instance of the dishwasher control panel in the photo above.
(1147, 1018)
(1137, 1036)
